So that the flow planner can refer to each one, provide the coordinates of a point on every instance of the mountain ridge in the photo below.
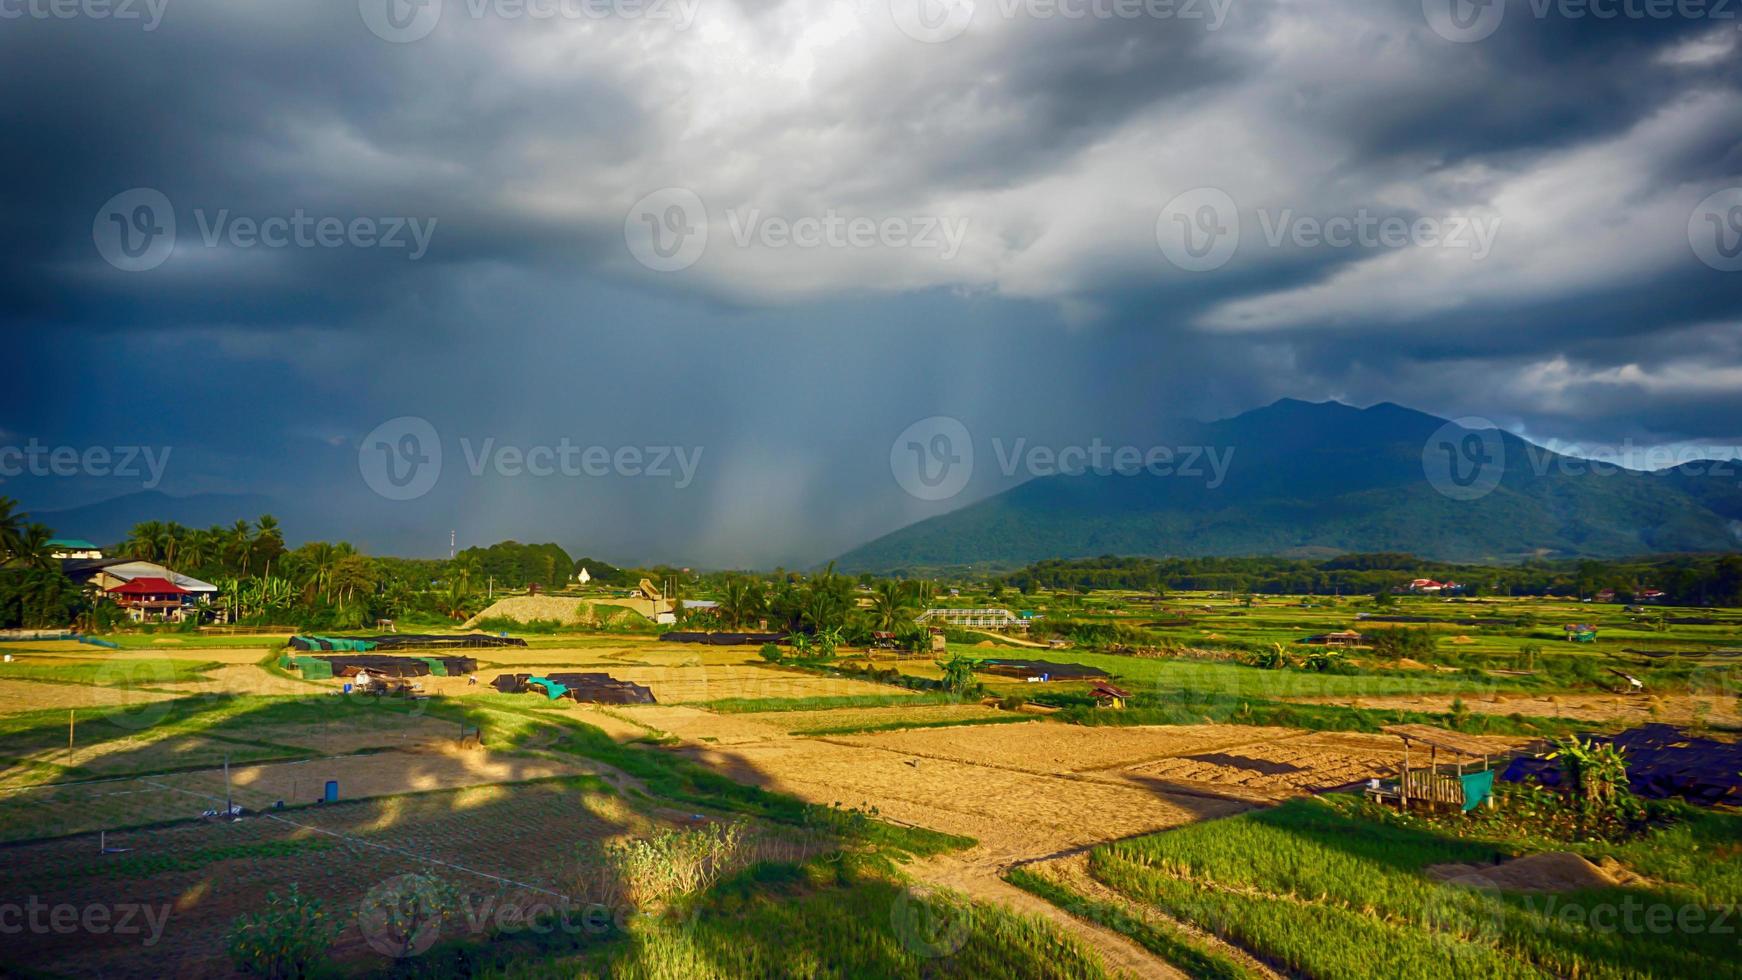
(1326, 476)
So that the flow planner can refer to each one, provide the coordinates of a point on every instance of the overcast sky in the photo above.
(779, 232)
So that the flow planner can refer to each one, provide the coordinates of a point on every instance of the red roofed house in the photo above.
(1425, 585)
(148, 597)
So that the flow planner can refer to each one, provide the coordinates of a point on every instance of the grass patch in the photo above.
(1173, 945)
(132, 674)
(741, 706)
(826, 920)
(897, 726)
(1318, 887)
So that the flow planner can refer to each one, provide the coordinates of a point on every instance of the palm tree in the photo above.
(889, 600)
(170, 545)
(11, 528)
(144, 540)
(241, 535)
(269, 542)
(321, 559)
(741, 599)
(32, 550)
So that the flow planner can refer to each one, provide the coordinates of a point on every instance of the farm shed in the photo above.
(1108, 696)
(1044, 670)
(1662, 761)
(1429, 783)
(1342, 639)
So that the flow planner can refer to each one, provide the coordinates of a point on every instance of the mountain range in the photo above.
(1323, 478)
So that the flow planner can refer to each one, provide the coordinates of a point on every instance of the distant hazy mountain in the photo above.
(107, 522)
(1322, 478)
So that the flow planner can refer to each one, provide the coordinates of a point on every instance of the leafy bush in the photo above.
(1396, 644)
(770, 652)
(287, 940)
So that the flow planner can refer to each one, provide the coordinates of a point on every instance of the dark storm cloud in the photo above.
(1054, 142)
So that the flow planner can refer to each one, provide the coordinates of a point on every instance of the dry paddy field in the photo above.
(1675, 709)
(1028, 790)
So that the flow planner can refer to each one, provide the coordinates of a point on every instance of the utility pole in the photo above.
(71, 714)
(450, 546)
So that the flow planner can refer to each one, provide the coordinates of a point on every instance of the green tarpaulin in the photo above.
(314, 668)
(552, 689)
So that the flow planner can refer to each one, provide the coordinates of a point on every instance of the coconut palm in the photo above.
(32, 550)
(890, 601)
(11, 528)
(241, 542)
(144, 541)
(741, 600)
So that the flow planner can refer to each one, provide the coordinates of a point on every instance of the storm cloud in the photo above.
(910, 209)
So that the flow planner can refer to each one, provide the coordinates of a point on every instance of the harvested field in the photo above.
(1277, 769)
(696, 725)
(684, 685)
(1675, 709)
(1014, 814)
(1032, 789)
(16, 696)
(244, 679)
(834, 719)
(1044, 747)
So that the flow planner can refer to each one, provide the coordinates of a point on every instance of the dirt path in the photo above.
(972, 874)
(1011, 640)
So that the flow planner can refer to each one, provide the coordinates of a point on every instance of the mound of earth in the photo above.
(1552, 871)
(569, 612)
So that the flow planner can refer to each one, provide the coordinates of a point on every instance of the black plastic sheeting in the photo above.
(585, 688)
(413, 641)
(1042, 668)
(723, 639)
(1662, 761)
(348, 664)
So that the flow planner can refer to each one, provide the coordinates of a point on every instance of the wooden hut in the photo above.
(1463, 785)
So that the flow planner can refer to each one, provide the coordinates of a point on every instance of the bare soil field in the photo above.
(1639, 709)
(89, 806)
